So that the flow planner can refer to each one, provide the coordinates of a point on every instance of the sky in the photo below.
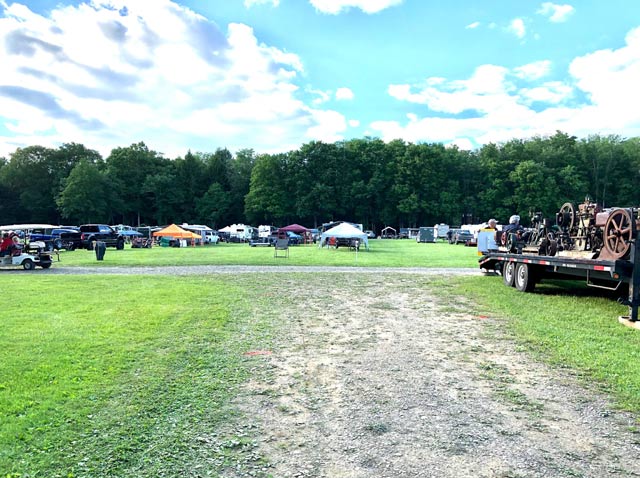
(272, 75)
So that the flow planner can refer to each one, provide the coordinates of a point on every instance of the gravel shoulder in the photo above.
(387, 375)
(205, 270)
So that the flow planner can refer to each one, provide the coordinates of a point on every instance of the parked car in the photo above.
(91, 233)
(294, 239)
(462, 236)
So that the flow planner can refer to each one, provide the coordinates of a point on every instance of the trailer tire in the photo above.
(509, 273)
(524, 278)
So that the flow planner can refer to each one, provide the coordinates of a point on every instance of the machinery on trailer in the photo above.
(601, 246)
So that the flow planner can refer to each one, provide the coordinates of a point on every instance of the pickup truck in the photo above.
(92, 233)
(56, 238)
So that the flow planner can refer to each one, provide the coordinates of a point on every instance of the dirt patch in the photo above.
(377, 376)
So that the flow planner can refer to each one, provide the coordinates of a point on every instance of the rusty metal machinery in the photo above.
(581, 227)
(619, 232)
(605, 233)
(586, 230)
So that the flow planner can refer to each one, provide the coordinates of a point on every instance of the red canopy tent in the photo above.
(296, 228)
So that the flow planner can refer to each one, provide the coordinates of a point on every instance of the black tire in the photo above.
(524, 278)
(509, 273)
(120, 244)
(45, 265)
(28, 265)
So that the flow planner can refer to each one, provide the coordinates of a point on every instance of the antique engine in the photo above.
(602, 233)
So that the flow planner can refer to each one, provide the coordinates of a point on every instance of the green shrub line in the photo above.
(568, 325)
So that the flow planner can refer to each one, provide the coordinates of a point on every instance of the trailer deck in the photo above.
(523, 271)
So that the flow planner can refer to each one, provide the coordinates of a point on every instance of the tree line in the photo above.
(363, 180)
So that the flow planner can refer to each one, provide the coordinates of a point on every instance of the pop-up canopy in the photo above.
(176, 231)
(345, 231)
(296, 228)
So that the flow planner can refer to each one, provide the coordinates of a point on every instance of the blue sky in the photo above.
(274, 74)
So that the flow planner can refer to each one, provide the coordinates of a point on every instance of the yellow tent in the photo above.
(177, 232)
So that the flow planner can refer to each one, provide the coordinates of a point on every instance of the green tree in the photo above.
(86, 195)
(214, 205)
(268, 200)
(28, 176)
(127, 169)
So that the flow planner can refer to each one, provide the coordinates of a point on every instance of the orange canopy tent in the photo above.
(177, 232)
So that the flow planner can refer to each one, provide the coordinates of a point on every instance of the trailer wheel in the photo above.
(509, 273)
(524, 279)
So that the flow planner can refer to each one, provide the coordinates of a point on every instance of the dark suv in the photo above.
(91, 233)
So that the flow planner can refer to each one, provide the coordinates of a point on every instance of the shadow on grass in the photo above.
(579, 289)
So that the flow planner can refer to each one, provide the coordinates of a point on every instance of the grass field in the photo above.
(570, 325)
(382, 253)
(102, 377)
(120, 376)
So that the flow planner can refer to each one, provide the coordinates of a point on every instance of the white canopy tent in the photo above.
(345, 231)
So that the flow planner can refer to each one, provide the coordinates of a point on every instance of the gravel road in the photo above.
(204, 270)
(392, 376)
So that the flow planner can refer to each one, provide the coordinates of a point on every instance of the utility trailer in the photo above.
(523, 271)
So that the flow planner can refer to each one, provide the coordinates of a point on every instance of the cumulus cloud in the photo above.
(533, 71)
(368, 6)
(556, 13)
(472, 26)
(344, 94)
(500, 103)
(354, 123)
(517, 27)
(112, 72)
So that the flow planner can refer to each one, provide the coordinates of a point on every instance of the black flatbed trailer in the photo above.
(523, 271)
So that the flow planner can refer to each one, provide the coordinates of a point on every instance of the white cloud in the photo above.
(556, 13)
(502, 104)
(321, 96)
(114, 72)
(368, 6)
(329, 127)
(344, 94)
(472, 26)
(354, 123)
(533, 71)
(517, 27)
(553, 92)
(251, 3)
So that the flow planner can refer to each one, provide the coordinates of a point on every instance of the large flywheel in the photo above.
(618, 232)
(566, 218)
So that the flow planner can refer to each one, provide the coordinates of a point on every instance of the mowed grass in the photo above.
(570, 325)
(119, 376)
(382, 253)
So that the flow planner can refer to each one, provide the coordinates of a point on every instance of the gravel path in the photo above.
(204, 270)
(390, 376)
